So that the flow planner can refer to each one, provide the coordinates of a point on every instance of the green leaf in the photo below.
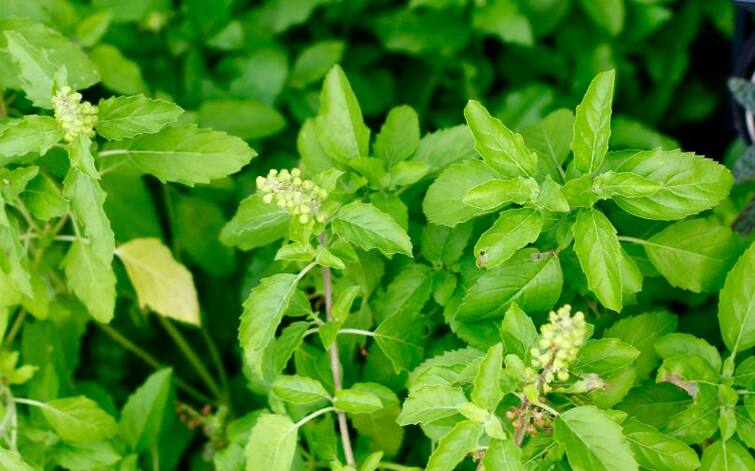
(12, 461)
(445, 147)
(144, 416)
(495, 193)
(161, 283)
(255, 224)
(736, 304)
(431, 403)
(246, 119)
(401, 337)
(339, 125)
(91, 279)
(119, 73)
(592, 124)
(550, 139)
(505, 19)
(687, 372)
(513, 230)
(625, 184)
(86, 456)
(28, 134)
(272, 444)
(486, 390)
(355, 401)
(695, 254)
(39, 53)
(454, 446)
(364, 225)
(442, 245)
(444, 201)
(728, 455)
(128, 116)
(604, 356)
(187, 154)
(599, 254)
(314, 62)
(593, 441)
(641, 331)
(530, 279)
(263, 311)
(299, 389)
(501, 148)
(79, 419)
(399, 136)
(43, 199)
(680, 343)
(503, 455)
(689, 183)
(87, 200)
(91, 29)
(608, 14)
(655, 450)
(518, 332)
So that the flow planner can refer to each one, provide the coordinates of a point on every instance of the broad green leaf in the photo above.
(31, 133)
(91, 279)
(445, 147)
(299, 389)
(655, 450)
(87, 200)
(364, 225)
(39, 53)
(736, 304)
(653, 404)
(694, 254)
(599, 254)
(128, 116)
(727, 455)
(80, 156)
(551, 138)
(339, 125)
(486, 390)
(505, 19)
(454, 446)
(187, 154)
(407, 173)
(495, 193)
(91, 29)
(255, 224)
(144, 416)
(13, 461)
(604, 356)
(86, 456)
(399, 136)
(263, 311)
(501, 148)
(246, 119)
(518, 332)
(687, 372)
(408, 292)
(79, 419)
(444, 201)
(355, 401)
(503, 455)
(592, 124)
(162, 284)
(689, 183)
(13, 253)
(530, 279)
(401, 337)
(551, 197)
(696, 422)
(453, 361)
(513, 230)
(430, 403)
(626, 184)
(443, 245)
(272, 444)
(593, 441)
(641, 331)
(43, 198)
(680, 343)
(314, 62)
(608, 14)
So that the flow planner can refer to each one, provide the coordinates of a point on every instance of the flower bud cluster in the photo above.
(531, 418)
(301, 198)
(75, 117)
(560, 340)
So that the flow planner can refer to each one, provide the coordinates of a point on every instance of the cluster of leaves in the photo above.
(395, 326)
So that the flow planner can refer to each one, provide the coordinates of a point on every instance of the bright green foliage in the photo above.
(399, 281)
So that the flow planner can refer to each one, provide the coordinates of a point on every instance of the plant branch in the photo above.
(151, 361)
(335, 362)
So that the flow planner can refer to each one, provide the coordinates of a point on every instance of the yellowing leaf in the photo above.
(161, 283)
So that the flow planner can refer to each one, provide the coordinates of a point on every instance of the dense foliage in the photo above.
(542, 280)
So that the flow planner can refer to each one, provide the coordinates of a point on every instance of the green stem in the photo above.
(634, 240)
(313, 415)
(219, 367)
(191, 356)
(107, 153)
(130, 346)
(366, 333)
(15, 328)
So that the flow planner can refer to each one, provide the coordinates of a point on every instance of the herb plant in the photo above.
(550, 290)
